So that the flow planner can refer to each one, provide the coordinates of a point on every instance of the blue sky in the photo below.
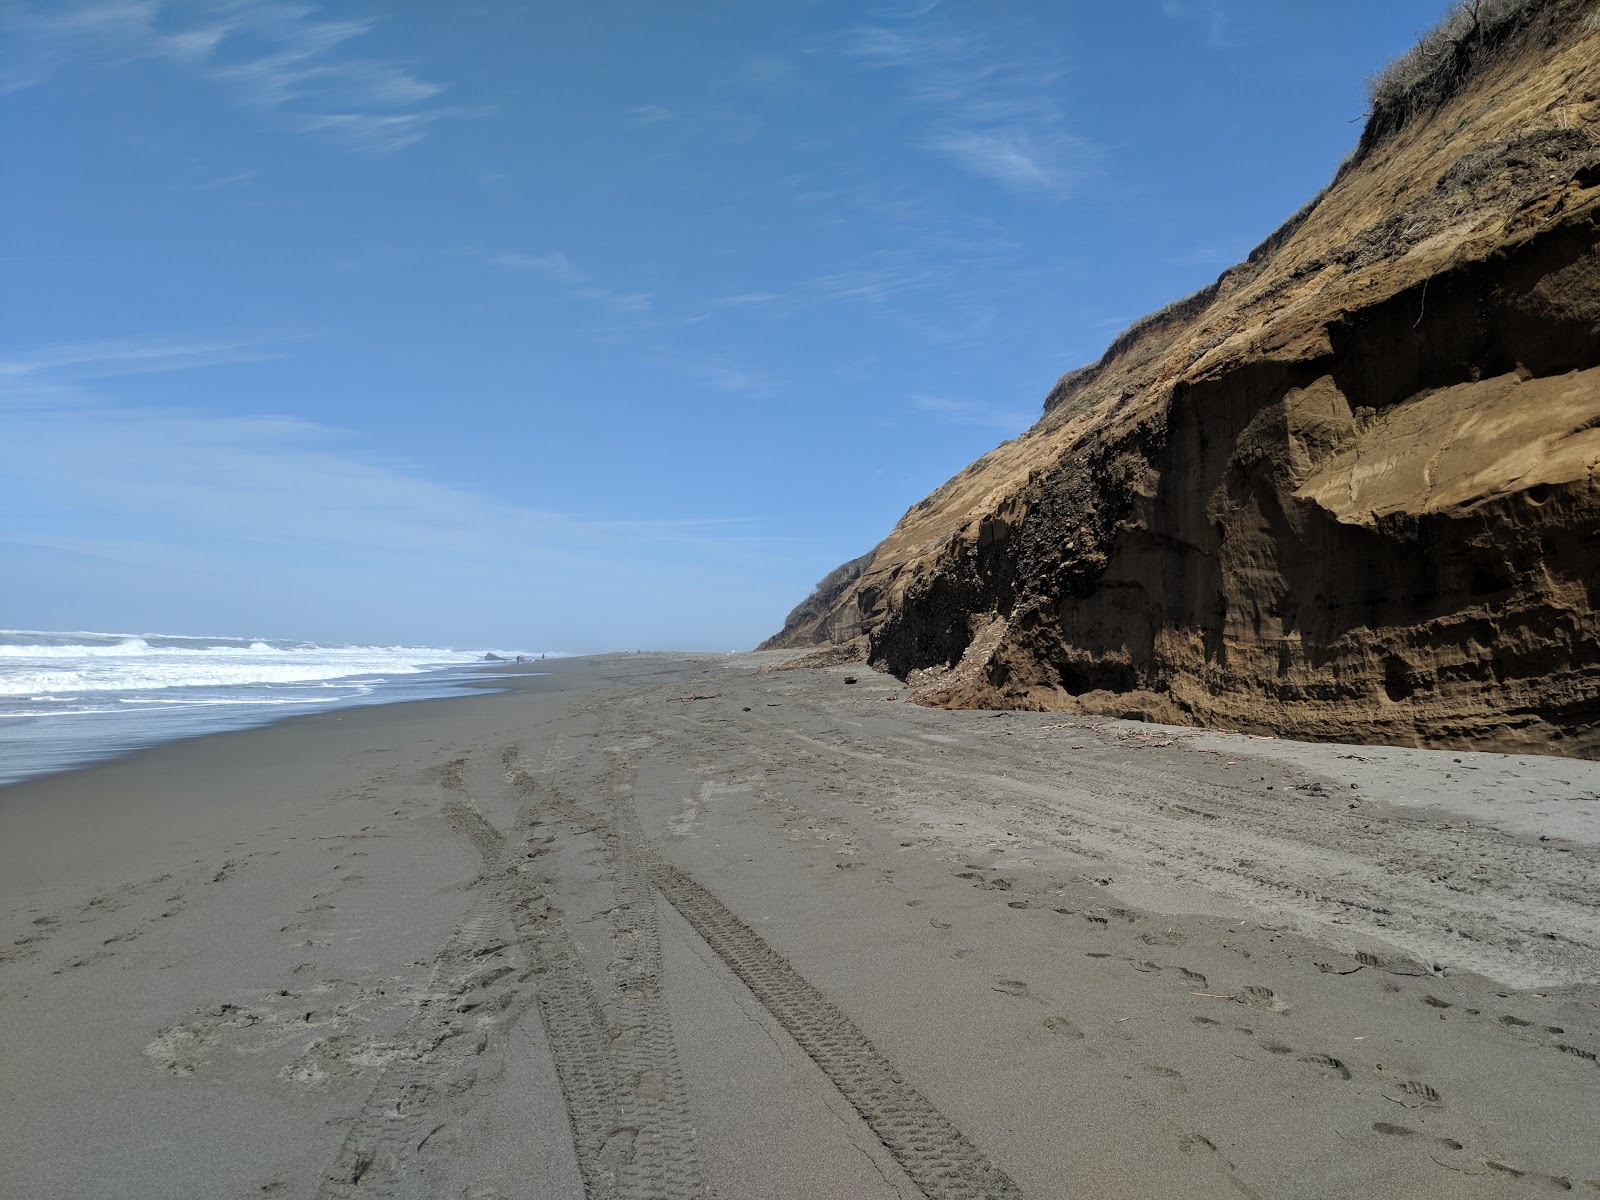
(587, 325)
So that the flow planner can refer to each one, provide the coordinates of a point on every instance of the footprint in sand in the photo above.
(1560, 1183)
(1160, 939)
(1011, 987)
(1326, 1064)
(1264, 997)
(1063, 1027)
(1414, 1094)
(1392, 1130)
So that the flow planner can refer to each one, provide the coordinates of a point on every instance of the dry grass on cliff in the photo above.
(1471, 36)
(800, 622)
(1472, 33)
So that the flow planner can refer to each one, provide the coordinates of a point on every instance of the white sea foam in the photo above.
(42, 664)
(142, 675)
(24, 712)
(69, 698)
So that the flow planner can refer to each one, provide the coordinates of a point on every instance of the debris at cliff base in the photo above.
(853, 651)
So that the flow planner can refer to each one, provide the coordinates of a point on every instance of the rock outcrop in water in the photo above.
(1350, 491)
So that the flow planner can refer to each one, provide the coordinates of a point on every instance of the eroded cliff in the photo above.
(1352, 490)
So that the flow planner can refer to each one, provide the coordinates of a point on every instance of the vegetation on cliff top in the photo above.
(1471, 34)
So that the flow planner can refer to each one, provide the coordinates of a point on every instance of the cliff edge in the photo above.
(1350, 491)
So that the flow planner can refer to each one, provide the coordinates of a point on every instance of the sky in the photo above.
(587, 325)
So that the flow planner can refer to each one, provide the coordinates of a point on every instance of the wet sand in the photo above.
(799, 939)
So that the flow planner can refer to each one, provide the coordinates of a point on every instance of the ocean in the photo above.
(67, 699)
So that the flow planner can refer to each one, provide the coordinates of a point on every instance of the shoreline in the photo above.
(143, 729)
(1141, 959)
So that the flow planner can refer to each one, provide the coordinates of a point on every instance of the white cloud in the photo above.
(187, 478)
(1006, 155)
(1201, 256)
(650, 114)
(60, 374)
(378, 133)
(973, 412)
(556, 267)
(868, 285)
(280, 58)
(718, 372)
(1215, 18)
(131, 357)
(744, 299)
(990, 112)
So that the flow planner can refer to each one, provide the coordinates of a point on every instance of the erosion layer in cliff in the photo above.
(1350, 491)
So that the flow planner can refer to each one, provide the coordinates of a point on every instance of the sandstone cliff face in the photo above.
(814, 619)
(1351, 491)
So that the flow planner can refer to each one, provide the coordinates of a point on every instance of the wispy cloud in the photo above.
(634, 319)
(556, 267)
(744, 300)
(1200, 256)
(1216, 19)
(269, 479)
(991, 112)
(869, 285)
(650, 114)
(872, 286)
(272, 57)
(974, 412)
(716, 371)
(1008, 155)
(56, 374)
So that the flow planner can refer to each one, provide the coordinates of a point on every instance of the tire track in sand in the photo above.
(617, 1064)
(936, 1155)
(942, 1162)
(940, 1159)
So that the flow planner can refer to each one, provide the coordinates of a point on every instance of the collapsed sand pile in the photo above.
(1350, 491)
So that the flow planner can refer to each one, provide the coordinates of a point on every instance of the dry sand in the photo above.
(800, 939)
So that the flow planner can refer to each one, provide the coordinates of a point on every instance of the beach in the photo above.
(684, 925)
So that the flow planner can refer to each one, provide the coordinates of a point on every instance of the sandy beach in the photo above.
(675, 925)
